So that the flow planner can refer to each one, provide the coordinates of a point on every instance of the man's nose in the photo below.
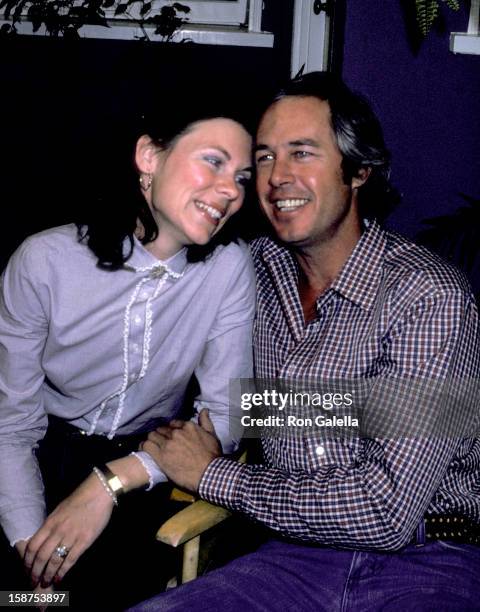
(281, 173)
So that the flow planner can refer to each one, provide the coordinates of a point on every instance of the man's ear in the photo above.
(146, 155)
(360, 179)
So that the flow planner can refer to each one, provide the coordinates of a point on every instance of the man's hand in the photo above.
(184, 450)
(75, 524)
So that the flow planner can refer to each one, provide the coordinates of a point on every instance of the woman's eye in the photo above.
(214, 161)
(243, 179)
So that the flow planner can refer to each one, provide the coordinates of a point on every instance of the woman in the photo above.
(102, 327)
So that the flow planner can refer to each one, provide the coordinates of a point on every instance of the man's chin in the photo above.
(292, 238)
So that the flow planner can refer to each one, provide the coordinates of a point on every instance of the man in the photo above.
(356, 518)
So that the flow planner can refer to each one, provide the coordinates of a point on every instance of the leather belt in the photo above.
(451, 527)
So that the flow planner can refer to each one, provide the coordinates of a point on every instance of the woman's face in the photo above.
(198, 183)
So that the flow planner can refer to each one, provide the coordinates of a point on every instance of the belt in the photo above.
(67, 456)
(59, 428)
(451, 527)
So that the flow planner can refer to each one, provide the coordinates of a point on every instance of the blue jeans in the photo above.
(438, 577)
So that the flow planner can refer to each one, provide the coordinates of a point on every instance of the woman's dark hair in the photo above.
(359, 137)
(110, 207)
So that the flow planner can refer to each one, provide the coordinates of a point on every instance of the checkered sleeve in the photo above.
(375, 495)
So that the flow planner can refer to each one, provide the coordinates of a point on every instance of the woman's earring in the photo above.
(145, 186)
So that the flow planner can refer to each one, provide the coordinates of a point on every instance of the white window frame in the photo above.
(209, 12)
(469, 41)
(216, 22)
(310, 38)
(212, 11)
(213, 22)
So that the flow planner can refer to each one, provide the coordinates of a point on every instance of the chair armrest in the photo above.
(191, 522)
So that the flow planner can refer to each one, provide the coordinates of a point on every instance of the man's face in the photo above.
(299, 175)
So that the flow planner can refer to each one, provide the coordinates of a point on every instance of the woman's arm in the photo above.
(23, 422)
(77, 522)
(227, 354)
(25, 304)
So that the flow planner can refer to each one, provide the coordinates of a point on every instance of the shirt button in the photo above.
(138, 319)
(132, 377)
(136, 348)
(144, 295)
(319, 451)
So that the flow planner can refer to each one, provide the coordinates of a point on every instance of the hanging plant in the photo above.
(426, 12)
(66, 17)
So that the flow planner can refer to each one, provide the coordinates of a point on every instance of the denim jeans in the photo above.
(438, 577)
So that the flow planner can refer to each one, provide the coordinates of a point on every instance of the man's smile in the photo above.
(290, 204)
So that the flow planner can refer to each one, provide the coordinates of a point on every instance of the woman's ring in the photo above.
(61, 551)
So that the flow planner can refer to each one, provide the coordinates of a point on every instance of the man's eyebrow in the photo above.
(309, 142)
(260, 147)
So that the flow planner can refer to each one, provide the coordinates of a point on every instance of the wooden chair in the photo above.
(186, 527)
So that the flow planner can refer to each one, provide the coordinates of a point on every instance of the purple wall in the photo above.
(428, 105)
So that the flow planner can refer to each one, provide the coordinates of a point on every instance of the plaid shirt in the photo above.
(395, 312)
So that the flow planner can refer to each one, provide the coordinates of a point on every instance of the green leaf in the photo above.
(146, 8)
(7, 30)
(181, 7)
(453, 4)
(18, 11)
(427, 11)
(121, 9)
(71, 33)
(9, 5)
(36, 24)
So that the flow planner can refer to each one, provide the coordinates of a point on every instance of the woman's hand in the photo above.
(75, 524)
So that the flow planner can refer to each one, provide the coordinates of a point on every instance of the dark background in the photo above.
(428, 104)
(59, 100)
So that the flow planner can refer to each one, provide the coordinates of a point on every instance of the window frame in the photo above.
(242, 27)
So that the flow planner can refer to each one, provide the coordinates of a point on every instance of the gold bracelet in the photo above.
(101, 477)
(111, 481)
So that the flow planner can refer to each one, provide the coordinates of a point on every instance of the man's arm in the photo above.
(375, 496)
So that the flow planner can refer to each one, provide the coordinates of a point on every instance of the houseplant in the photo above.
(66, 17)
(427, 11)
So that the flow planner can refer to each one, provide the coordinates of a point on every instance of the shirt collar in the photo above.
(143, 261)
(361, 274)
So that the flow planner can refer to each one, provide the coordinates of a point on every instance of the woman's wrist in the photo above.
(111, 483)
(130, 472)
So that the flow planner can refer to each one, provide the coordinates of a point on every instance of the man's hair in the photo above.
(112, 203)
(359, 138)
